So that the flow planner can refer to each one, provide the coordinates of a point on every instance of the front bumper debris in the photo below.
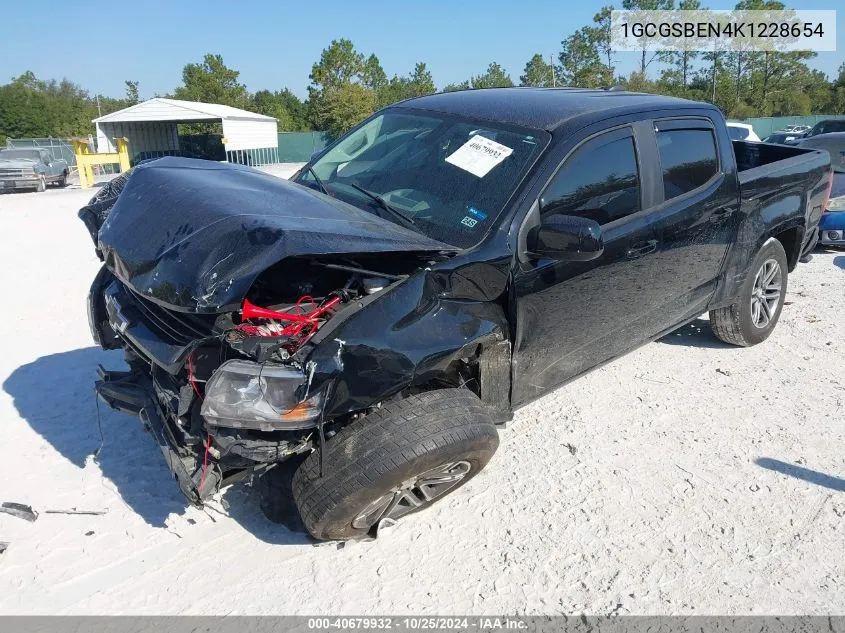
(132, 392)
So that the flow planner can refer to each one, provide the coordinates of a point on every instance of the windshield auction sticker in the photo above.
(717, 31)
(479, 155)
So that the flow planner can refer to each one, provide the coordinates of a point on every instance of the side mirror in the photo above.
(566, 238)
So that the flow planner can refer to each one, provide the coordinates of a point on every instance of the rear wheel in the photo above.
(756, 312)
(397, 460)
(62, 182)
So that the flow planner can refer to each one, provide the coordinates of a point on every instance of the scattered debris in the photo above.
(571, 448)
(724, 372)
(19, 510)
(4, 545)
(76, 511)
(754, 487)
(89, 533)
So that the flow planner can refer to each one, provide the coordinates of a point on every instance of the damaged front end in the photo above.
(227, 395)
(218, 342)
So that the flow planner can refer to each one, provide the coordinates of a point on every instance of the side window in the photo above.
(688, 159)
(600, 182)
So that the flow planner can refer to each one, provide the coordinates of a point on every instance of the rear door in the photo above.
(697, 210)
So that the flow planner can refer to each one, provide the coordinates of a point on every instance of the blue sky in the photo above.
(274, 44)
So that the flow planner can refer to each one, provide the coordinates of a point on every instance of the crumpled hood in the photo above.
(196, 234)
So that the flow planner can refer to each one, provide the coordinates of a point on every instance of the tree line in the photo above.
(347, 85)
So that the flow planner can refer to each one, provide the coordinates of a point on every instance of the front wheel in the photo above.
(399, 459)
(751, 319)
(41, 185)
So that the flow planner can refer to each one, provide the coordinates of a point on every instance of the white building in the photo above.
(150, 127)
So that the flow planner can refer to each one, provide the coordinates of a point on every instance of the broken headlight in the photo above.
(246, 395)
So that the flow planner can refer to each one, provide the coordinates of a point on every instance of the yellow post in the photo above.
(86, 160)
(123, 154)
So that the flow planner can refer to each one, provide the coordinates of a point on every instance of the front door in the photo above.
(571, 316)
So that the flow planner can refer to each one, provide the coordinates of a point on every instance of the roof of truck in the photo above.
(546, 108)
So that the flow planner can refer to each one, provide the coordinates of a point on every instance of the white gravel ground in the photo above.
(687, 478)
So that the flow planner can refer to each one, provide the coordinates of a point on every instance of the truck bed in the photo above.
(754, 160)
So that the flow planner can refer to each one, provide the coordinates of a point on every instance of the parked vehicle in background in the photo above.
(832, 224)
(781, 138)
(795, 129)
(827, 126)
(833, 144)
(450, 259)
(31, 169)
(741, 132)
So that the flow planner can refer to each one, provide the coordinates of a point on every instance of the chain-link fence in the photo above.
(61, 148)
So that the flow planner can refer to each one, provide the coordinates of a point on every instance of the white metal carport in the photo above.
(150, 127)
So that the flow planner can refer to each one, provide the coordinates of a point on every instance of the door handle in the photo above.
(642, 249)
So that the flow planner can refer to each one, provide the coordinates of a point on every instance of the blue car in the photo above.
(832, 224)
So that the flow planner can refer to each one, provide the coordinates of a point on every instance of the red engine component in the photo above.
(302, 324)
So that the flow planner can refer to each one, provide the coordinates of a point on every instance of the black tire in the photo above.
(387, 449)
(275, 489)
(62, 182)
(735, 324)
(42, 185)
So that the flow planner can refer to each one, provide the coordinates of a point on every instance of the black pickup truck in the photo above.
(453, 257)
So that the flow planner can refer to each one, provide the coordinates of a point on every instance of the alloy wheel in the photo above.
(765, 294)
(413, 494)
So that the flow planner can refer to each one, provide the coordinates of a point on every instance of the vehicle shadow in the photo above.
(695, 334)
(55, 395)
(799, 472)
(839, 261)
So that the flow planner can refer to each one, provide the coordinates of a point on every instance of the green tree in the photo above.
(340, 64)
(132, 96)
(580, 63)
(211, 81)
(339, 108)
(417, 84)
(680, 62)
(538, 73)
(269, 104)
(343, 87)
(647, 5)
(494, 77)
(464, 85)
(373, 75)
(288, 109)
(600, 34)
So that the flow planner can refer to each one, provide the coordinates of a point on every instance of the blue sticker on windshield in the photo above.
(478, 214)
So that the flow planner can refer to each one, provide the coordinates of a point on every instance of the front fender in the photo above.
(410, 336)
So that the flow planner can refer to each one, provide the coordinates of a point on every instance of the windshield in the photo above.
(16, 154)
(449, 177)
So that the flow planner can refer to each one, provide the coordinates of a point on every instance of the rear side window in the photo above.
(600, 182)
(737, 133)
(688, 159)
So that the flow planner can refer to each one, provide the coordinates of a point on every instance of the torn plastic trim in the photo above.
(132, 393)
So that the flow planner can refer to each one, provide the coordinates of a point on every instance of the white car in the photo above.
(742, 132)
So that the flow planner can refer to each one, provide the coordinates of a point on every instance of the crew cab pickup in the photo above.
(368, 324)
